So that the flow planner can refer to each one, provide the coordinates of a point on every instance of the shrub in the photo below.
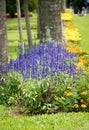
(31, 93)
(9, 90)
(37, 95)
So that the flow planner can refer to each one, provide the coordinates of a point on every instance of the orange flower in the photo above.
(82, 101)
(83, 106)
(76, 105)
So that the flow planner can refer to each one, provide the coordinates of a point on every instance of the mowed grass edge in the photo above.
(59, 121)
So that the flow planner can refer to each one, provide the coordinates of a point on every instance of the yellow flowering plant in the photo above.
(73, 92)
(73, 95)
(67, 15)
(72, 34)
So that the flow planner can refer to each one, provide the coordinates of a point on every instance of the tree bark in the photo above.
(26, 12)
(63, 5)
(3, 33)
(50, 20)
(20, 25)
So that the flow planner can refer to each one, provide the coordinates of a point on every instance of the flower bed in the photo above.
(51, 77)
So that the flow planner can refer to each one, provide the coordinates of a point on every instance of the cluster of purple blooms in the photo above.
(43, 60)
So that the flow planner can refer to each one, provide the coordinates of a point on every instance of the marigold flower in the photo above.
(83, 93)
(76, 105)
(72, 34)
(66, 16)
(65, 92)
(56, 98)
(83, 105)
(82, 101)
(69, 88)
(69, 94)
(67, 10)
(63, 98)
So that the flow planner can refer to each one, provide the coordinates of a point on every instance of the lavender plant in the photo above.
(43, 60)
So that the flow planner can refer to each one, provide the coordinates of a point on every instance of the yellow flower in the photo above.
(72, 34)
(75, 48)
(63, 98)
(83, 93)
(66, 16)
(69, 94)
(83, 105)
(56, 98)
(69, 88)
(68, 10)
(65, 92)
(76, 105)
(83, 59)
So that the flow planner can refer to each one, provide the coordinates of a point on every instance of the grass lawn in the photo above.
(81, 22)
(13, 33)
(60, 121)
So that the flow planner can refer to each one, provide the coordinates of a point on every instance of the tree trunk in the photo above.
(3, 33)
(20, 25)
(63, 5)
(26, 12)
(38, 26)
(50, 20)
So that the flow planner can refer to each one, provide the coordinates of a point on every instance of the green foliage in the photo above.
(49, 95)
(11, 6)
(48, 90)
(73, 96)
(35, 96)
(9, 90)
(32, 4)
(38, 95)
(31, 93)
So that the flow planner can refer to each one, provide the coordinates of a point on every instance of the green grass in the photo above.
(13, 33)
(60, 121)
(81, 22)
